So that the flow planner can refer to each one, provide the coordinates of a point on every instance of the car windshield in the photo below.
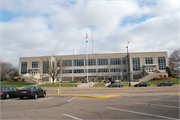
(3, 87)
(28, 88)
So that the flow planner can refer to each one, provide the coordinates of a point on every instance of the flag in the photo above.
(104, 74)
(86, 36)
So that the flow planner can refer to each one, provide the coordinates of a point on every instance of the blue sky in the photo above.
(56, 27)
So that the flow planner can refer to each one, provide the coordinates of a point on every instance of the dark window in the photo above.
(115, 61)
(149, 60)
(45, 66)
(23, 67)
(67, 62)
(91, 70)
(124, 70)
(103, 70)
(66, 71)
(78, 71)
(115, 70)
(78, 62)
(124, 61)
(102, 61)
(162, 63)
(136, 64)
(34, 64)
(91, 62)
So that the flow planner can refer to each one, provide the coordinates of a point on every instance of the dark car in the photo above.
(166, 83)
(142, 84)
(31, 92)
(116, 84)
(8, 91)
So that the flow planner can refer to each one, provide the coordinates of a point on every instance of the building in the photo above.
(143, 66)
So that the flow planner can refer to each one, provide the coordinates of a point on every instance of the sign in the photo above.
(117, 74)
(59, 78)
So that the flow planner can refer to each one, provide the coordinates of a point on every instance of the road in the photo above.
(134, 106)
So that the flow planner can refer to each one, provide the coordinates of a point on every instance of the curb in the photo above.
(173, 94)
(96, 96)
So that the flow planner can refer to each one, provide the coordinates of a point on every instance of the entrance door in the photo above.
(149, 69)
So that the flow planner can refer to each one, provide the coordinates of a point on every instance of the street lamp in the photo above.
(128, 65)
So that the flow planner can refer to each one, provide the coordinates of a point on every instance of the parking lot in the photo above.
(123, 107)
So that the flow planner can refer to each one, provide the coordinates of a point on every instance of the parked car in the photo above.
(116, 84)
(31, 92)
(142, 84)
(166, 83)
(8, 92)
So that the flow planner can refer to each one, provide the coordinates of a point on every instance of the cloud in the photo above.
(38, 28)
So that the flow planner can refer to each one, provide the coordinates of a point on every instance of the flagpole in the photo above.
(87, 55)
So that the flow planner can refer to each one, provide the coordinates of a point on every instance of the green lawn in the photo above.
(70, 84)
(15, 84)
(154, 82)
(99, 84)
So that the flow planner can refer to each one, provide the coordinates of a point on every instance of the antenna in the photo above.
(92, 32)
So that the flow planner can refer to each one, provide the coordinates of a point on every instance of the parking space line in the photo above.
(11, 99)
(44, 99)
(72, 116)
(142, 113)
(157, 105)
(167, 100)
(72, 99)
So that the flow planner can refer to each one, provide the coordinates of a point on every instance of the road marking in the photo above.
(44, 99)
(71, 99)
(72, 116)
(167, 100)
(156, 105)
(142, 113)
(11, 99)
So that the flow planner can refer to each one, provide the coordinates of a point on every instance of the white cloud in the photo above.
(29, 34)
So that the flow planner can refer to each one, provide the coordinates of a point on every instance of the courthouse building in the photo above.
(143, 66)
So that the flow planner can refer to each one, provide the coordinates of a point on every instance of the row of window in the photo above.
(94, 70)
(91, 62)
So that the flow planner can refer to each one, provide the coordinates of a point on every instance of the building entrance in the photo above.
(149, 69)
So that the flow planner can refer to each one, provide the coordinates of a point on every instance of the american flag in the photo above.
(86, 36)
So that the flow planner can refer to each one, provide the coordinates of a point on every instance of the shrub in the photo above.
(165, 76)
(16, 74)
(15, 80)
(23, 80)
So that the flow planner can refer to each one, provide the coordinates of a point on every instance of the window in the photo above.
(162, 63)
(91, 70)
(124, 70)
(66, 71)
(34, 64)
(149, 60)
(124, 61)
(23, 67)
(115, 61)
(115, 70)
(136, 76)
(45, 66)
(78, 71)
(136, 64)
(67, 62)
(58, 63)
(91, 62)
(103, 70)
(102, 61)
(78, 62)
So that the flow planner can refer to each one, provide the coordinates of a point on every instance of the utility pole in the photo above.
(128, 65)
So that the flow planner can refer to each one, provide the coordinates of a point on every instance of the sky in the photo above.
(30, 28)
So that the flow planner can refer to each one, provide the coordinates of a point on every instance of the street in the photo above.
(124, 107)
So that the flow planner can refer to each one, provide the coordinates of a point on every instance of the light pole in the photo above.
(128, 65)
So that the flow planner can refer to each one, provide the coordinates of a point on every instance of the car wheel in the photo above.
(119, 86)
(44, 95)
(7, 96)
(35, 96)
(146, 85)
(21, 97)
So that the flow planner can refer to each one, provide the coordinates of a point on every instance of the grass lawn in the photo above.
(99, 84)
(174, 80)
(70, 84)
(15, 84)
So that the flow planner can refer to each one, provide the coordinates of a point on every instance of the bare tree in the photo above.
(52, 65)
(174, 61)
(7, 70)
